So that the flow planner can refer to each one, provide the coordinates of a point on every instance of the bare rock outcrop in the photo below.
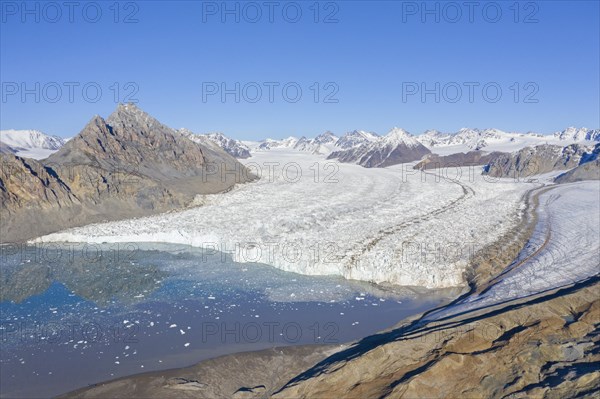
(589, 169)
(460, 159)
(542, 350)
(536, 160)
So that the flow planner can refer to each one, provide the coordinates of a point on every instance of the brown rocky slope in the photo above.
(537, 160)
(546, 348)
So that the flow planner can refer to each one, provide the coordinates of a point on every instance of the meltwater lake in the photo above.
(75, 315)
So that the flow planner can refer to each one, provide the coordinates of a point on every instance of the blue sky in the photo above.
(375, 61)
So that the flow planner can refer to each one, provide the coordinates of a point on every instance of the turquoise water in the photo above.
(71, 316)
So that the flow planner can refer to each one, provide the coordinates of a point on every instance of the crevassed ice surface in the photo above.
(318, 217)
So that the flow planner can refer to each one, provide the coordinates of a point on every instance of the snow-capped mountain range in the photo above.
(37, 145)
(497, 140)
(464, 140)
(268, 144)
(355, 138)
(233, 147)
(323, 144)
(578, 134)
(29, 143)
(398, 146)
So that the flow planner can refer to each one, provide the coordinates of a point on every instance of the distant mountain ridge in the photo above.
(355, 138)
(268, 143)
(476, 139)
(323, 144)
(37, 145)
(233, 147)
(459, 159)
(31, 143)
(464, 140)
(524, 163)
(578, 134)
(398, 146)
(537, 160)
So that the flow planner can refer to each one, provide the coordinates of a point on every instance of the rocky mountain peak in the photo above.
(130, 136)
(359, 133)
(324, 138)
(96, 121)
(128, 117)
(398, 146)
(327, 133)
(398, 136)
(399, 132)
(355, 138)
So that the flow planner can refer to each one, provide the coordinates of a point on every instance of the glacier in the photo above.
(394, 225)
(564, 249)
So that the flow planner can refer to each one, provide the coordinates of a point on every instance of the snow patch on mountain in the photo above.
(398, 136)
(30, 143)
(355, 138)
(268, 144)
(233, 147)
(323, 144)
(578, 134)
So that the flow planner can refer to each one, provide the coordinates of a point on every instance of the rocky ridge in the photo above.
(470, 158)
(536, 160)
(320, 145)
(233, 147)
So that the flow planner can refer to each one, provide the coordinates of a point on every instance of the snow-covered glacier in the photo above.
(564, 249)
(306, 215)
